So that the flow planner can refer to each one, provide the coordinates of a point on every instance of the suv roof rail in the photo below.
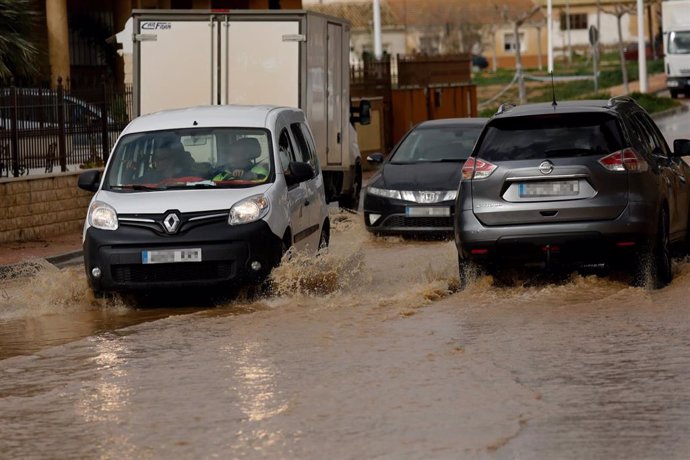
(618, 100)
(504, 108)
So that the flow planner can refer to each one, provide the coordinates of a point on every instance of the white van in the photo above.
(203, 196)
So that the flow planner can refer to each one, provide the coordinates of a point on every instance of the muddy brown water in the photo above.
(365, 352)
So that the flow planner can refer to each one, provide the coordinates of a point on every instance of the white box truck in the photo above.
(296, 58)
(675, 23)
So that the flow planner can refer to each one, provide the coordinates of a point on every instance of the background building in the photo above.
(76, 39)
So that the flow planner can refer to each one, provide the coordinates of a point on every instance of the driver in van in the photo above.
(171, 161)
(237, 161)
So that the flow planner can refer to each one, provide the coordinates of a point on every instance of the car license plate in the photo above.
(429, 211)
(549, 188)
(170, 256)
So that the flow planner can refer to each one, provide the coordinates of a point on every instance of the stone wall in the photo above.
(32, 208)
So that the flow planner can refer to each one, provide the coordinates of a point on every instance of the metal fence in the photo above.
(43, 128)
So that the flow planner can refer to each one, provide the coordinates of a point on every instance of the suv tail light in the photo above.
(476, 168)
(624, 160)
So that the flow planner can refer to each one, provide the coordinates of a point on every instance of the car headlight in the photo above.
(248, 210)
(395, 194)
(102, 216)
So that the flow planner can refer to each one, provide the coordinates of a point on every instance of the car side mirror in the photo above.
(89, 180)
(376, 158)
(681, 147)
(298, 172)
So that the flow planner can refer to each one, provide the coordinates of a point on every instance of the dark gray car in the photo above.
(585, 183)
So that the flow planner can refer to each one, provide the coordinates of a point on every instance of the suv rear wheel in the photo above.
(654, 264)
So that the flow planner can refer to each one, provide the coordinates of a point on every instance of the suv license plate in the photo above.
(169, 256)
(549, 188)
(430, 211)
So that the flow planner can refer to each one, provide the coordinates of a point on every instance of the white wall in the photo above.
(608, 31)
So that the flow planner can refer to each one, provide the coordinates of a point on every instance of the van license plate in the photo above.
(430, 211)
(170, 256)
(549, 188)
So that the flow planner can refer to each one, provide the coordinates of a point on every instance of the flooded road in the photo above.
(365, 352)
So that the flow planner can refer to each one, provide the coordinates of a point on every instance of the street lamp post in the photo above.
(378, 51)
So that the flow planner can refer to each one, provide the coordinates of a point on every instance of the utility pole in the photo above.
(549, 34)
(378, 51)
(641, 48)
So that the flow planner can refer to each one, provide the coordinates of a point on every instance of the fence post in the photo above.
(104, 123)
(14, 140)
(62, 148)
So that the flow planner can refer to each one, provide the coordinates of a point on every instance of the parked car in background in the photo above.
(35, 114)
(205, 196)
(414, 189)
(577, 184)
(479, 62)
(630, 52)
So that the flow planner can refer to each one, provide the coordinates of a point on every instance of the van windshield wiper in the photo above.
(136, 187)
(190, 185)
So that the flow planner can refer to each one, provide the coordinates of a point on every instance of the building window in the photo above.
(577, 21)
(509, 42)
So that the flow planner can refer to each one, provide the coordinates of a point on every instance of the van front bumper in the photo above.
(229, 255)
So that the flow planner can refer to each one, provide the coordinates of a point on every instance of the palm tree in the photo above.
(18, 54)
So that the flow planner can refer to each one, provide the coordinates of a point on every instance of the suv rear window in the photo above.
(550, 136)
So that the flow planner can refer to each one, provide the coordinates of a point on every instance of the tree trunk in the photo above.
(624, 67)
(518, 64)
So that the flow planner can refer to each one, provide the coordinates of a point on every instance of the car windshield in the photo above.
(190, 158)
(438, 143)
(550, 136)
(679, 43)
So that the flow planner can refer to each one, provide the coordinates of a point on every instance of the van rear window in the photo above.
(550, 136)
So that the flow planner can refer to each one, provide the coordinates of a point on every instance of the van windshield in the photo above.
(191, 158)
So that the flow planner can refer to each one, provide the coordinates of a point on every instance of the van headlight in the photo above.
(248, 210)
(102, 216)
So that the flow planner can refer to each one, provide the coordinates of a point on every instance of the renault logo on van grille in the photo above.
(546, 167)
(171, 223)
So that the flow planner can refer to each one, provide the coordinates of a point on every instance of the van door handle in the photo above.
(337, 139)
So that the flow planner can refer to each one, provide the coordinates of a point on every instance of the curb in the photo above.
(28, 267)
(66, 259)
(670, 112)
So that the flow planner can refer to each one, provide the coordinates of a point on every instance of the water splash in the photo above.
(327, 273)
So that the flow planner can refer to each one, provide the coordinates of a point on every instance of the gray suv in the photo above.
(573, 184)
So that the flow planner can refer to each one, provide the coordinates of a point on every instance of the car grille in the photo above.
(157, 273)
(418, 222)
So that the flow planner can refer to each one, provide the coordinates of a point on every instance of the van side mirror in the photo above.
(89, 180)
(376, 158)
(298, 172)
(362, 113)
(681, 147)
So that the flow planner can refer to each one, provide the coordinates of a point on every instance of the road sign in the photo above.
(593, 35)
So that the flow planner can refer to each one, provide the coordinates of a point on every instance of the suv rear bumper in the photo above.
(575, 243)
